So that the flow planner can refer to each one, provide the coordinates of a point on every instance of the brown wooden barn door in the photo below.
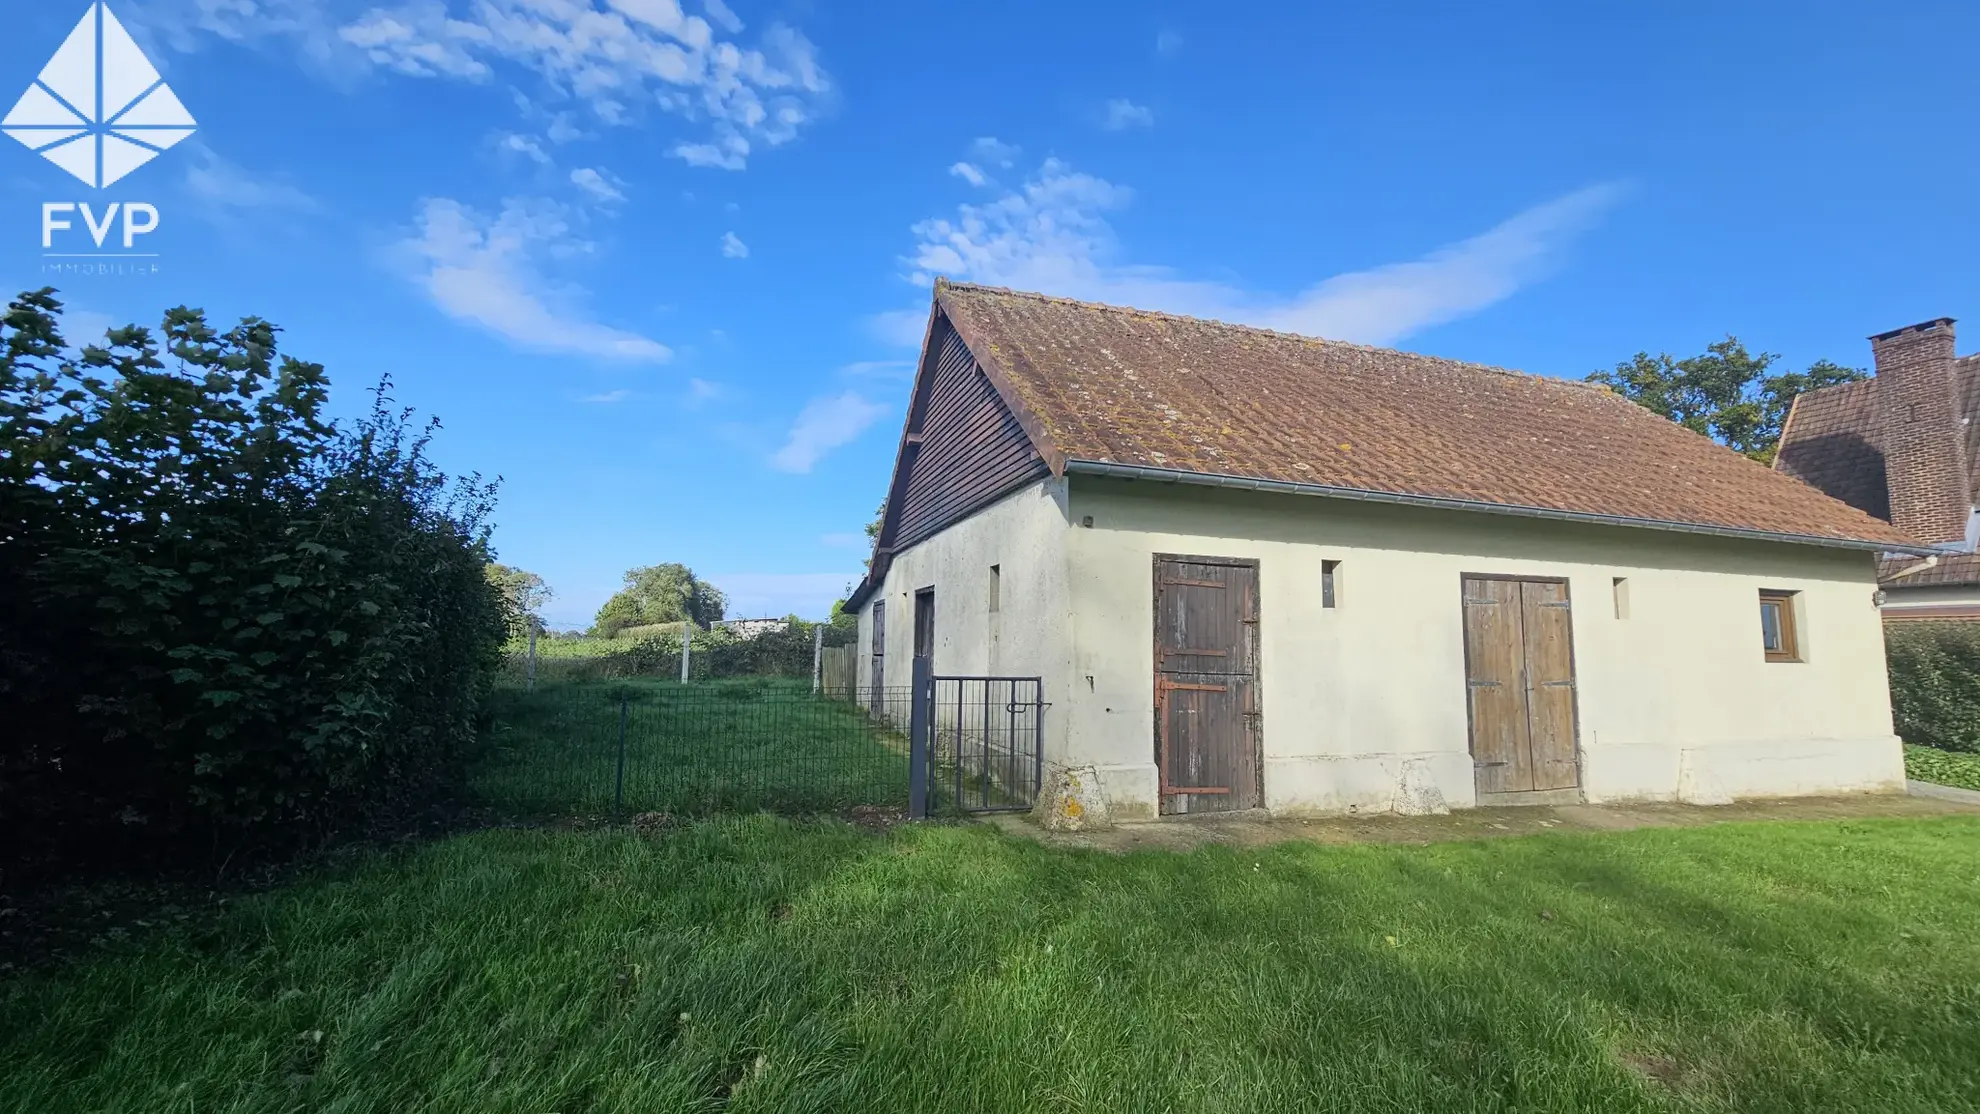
(1519, 677)
(1549, 683)
(1206, 684)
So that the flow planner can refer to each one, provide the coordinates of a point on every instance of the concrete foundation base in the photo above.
(1071, 801)
(1435, 782)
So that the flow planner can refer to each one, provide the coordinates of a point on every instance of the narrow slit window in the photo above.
(1330, 587)
(1778, 636)
(996, 588)
(1622, 597)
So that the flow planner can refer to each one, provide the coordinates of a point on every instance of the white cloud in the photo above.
(1387, 303)
(758, 595)
(1168, 44)
(721, 16)
(1123, 114)
(968, 172)
(733, 247)
(825, 424)
(902, 328)
(524, 145)
(618, 58)
(602, 186)
(608, 397)
(562, 131)
(225, 186)
(729, 153)
(1052, 235)
(420, 40)
(486, 272)
(701, 390)
(989, 149)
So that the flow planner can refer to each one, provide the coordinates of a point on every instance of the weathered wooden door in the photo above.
(1206, 684)
(924, 623)
(1519, 673)
(877, 697)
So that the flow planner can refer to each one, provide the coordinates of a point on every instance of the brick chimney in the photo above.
(1923, 432)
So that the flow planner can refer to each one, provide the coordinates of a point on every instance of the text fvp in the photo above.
(139, 218)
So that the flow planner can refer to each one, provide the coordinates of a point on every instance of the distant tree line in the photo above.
(226, 616)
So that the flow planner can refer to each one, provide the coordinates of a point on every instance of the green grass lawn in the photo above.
(758, 743)
(1942, 767)
(758, 964)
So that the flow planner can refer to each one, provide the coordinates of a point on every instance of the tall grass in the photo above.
(757, 964)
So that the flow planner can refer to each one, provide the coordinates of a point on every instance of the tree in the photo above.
(1726, 393)
(524, 591)
(873, 531)
(842, 629)
(222, 612)
(669, 593)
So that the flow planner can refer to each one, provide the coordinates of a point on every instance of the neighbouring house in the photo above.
(1903, 447)
(1258, 569)
(751, 628)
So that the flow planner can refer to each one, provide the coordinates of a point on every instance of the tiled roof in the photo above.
(1128, 387)
(1832, 444)
(1953, 570)
(1834, 439)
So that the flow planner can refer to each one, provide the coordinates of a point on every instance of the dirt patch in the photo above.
(1664, 1071)
(876, 818)
(649, 823)
(1257, 828)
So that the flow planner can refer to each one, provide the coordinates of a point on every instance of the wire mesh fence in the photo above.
(632, 745)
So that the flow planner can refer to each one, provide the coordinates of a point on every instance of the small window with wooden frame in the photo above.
(1330, 584)
(1780, 636)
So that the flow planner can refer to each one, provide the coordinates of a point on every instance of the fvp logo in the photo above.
(99, 111)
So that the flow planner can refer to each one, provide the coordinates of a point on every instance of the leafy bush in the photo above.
(1942, 767)
(226, 615)
(1935, 682)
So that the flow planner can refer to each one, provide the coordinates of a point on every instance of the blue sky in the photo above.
(663, 267)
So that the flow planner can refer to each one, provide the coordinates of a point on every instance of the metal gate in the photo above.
(978, 743)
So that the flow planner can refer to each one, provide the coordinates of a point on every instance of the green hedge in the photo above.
(1935, 683)
(225, 618)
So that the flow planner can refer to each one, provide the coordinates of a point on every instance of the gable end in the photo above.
(972, 449)
(962, 450)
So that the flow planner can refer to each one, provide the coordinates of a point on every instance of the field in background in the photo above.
(648, 745)
(757, 964)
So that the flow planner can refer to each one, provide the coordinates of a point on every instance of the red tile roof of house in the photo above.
(1834, 440)
(1123, 387)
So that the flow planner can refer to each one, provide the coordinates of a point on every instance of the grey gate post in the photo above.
(921, 732)
(687, 647)
(817, 655)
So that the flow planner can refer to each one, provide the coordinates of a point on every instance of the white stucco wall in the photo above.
(1022, 534)
(1674, 701)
